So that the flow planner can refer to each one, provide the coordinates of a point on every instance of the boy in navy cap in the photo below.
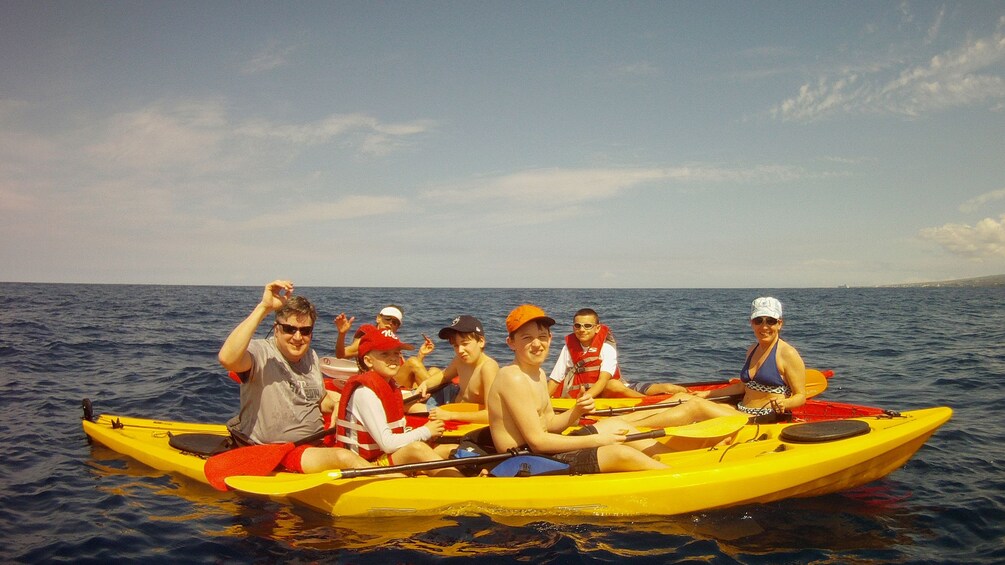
(474, 369)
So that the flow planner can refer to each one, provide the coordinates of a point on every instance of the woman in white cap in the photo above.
(773, 378)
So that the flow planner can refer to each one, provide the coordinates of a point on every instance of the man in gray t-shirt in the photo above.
(282, 392)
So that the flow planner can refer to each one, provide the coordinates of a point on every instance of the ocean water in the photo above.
(151, 351)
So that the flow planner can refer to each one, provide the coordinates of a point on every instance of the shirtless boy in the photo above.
(520, 412)
(475, 371)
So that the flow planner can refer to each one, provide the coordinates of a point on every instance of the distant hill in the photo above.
(993, 280)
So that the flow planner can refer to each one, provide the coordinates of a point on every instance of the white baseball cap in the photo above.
(766, 306)
(392, 312)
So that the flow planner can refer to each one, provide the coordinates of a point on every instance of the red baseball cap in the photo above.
(526, 313)
(374, 339)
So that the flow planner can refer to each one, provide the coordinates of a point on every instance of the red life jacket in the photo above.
(585, 363)
(351, 434)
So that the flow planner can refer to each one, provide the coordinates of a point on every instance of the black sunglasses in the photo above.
(760, 320)
(290, 329)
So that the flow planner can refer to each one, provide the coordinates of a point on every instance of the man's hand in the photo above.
(276, 294)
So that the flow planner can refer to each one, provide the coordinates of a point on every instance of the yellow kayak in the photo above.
(765, 463)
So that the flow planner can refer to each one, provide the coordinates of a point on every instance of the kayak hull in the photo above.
(758, 467)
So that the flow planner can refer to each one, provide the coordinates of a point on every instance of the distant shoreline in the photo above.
(977, 282)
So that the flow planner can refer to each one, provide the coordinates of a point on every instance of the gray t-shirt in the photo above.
(280, 402)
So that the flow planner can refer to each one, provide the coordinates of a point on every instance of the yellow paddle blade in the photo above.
(816, 383)
(462, 407)
(281, 484)
(713, 428)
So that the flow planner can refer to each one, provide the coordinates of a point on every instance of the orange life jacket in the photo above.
(585, 363)
(351, 434)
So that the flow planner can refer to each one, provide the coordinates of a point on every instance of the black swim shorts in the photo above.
(580, 461)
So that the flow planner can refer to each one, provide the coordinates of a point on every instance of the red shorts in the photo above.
(292, 460)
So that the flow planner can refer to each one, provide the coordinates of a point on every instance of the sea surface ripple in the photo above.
(150, 351)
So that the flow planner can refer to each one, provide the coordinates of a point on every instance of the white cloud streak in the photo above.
(965, 76)
(178, 166)
(976, 203)
(984, 240)
(272, 56)
(376, 138)
(564, 187)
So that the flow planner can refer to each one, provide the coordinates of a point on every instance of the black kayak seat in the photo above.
(201, 444)
(818, 432)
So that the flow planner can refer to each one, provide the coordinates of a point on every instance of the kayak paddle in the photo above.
(263, 459)
(826, 374)
(706, 429)
(282, 485)
(286, 484)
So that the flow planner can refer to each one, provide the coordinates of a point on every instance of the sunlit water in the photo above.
(150, 351)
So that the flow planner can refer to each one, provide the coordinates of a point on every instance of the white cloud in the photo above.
(377, 138)
(272, 56)
(639, 69)
(348, 208)
(161, 135)
(933, 30)
(985, 240)
(961, 77)
(976, 203)
(179, 170)
(564, 187)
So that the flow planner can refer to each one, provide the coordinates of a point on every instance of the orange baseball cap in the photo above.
(526, 313)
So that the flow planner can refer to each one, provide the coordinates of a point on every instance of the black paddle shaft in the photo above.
(428, 465)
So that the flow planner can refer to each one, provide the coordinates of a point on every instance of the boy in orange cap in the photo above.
(520, 412)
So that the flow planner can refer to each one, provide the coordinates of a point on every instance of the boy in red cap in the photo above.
(371, 413)
(520, 412)
(412, 372)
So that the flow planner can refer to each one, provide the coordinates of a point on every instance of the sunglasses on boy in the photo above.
(584, 326)
(290, 329)
(391, 321)
(761, 320)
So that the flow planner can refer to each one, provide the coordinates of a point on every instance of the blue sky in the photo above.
(502, 144)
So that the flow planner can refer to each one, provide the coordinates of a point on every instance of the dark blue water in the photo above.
(151, 351)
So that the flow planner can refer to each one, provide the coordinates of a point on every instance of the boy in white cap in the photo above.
(412, 372)
(371, 414)
(520, 412)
